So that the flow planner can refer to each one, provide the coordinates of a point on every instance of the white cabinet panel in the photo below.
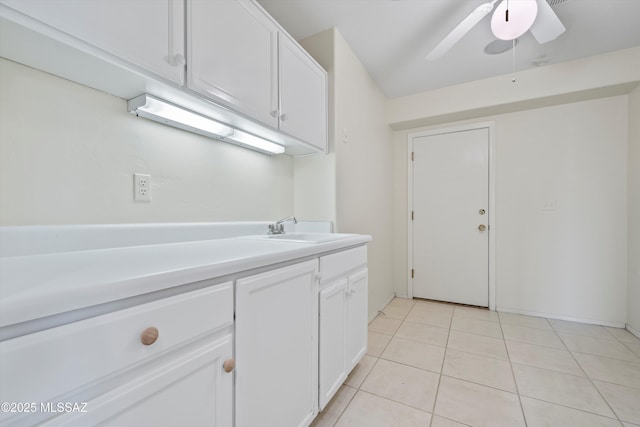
(103, 361)
(340, 264)
(232, 56)
(238, 56)
(343, 301)
(303, 95)
(333, 315)
(147, 33)
(357, 316)
(193, 390)
(276, 347)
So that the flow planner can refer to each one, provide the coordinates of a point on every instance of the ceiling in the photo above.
(392, 37)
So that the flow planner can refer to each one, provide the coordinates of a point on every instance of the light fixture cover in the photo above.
(161, 111)
(522, 14)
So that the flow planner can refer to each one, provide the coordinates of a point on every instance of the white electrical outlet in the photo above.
(141, 187)
(549, 205)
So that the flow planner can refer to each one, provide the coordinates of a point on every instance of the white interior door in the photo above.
(451, 211)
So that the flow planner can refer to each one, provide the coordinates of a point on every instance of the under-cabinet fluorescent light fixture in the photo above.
(162, 111)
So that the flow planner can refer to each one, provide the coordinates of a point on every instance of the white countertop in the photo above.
(34, 286)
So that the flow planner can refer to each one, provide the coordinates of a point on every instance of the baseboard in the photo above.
(561, 317)
(374, 314)
(633, 331)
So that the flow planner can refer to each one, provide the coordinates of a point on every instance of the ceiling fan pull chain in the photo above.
(513, 61)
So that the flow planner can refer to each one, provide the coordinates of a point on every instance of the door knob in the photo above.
(482, 227)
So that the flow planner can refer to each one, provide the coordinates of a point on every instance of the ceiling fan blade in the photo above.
(460, 30)
(547, 25)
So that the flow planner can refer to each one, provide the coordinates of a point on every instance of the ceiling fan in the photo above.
(511, 19)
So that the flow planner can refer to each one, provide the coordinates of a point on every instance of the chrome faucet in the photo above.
(278, 227)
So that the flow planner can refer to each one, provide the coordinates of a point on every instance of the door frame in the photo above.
(491, 217)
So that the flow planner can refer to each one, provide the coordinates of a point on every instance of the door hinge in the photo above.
(412, 273)
(412, 156)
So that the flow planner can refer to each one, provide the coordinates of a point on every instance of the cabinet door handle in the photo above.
(317, 276)
(274, 113)
(229, 365)
(283, 117)
(149, 335)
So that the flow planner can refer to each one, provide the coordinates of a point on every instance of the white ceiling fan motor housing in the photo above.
(521, 16)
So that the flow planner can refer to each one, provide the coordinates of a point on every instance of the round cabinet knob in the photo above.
(149, 336)
(229, 365)
(274, 113)
(283, 117)
(482, 212)
(482, 227)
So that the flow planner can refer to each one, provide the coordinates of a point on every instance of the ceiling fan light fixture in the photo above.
(497, 47)
(521, 16)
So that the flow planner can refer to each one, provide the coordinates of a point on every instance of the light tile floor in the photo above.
(441, 365)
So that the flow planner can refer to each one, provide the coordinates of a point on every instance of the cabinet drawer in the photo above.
(341, 263)
(43, 365)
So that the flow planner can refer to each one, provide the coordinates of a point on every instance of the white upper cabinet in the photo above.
(238, 56)
(232, 56)
(227, 59)
(303, 95)
(146, 33)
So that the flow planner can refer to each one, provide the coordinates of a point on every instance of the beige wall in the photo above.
(564, 132)
(568, 263)
(633, 295)
(356, 177)
(68, 154)
(364, 173)
(314, 177)
(598, 76)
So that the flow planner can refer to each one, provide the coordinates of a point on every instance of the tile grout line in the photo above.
(513, 375)
(444, 357)
(610, 337)
(345, 406)
(587, 376)
(624, 344)
(372, 367)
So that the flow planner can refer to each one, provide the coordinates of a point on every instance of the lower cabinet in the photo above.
(276, 347)
(171, 362)
(165, 362)
(357, 315)
(333, 339)
(192, 389)
(343, 318)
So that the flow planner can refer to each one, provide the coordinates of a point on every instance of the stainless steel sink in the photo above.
(303, 237)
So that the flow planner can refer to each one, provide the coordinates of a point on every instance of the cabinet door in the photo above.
(303, 95)
(276, 347)
(357, 303)
(191, 390)
(333, 317)
(232, 56)
(146, 33)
